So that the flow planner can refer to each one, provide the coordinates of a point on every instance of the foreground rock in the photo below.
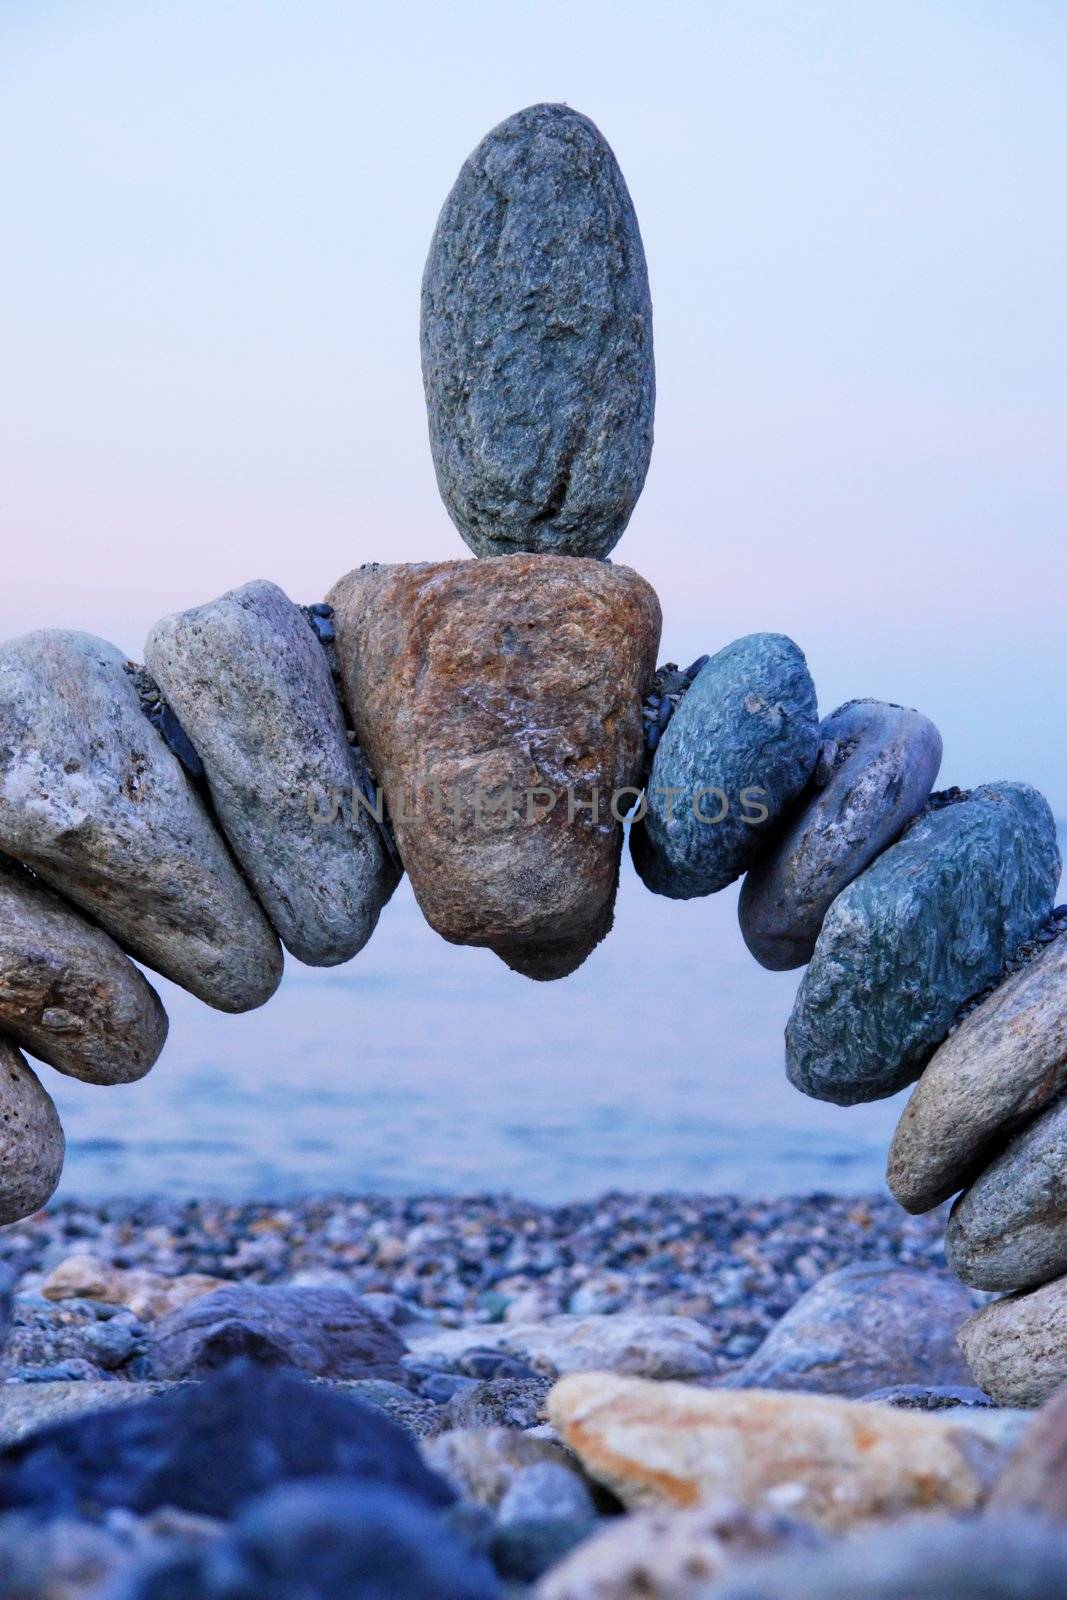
(320, 1332)
(877, 766)
(68, 1559)
(26, 1408)
(735, 754)
(484, 1465)
(1035, 1479)
(208, 1447)
(997, 1558)
(1009, 1230)
(252, 687)
(862, 1328)
(31, 1139)
(932, 922)
(537, 342)
(1016, 1348)
(641, 1344)
(671, 1555)
(147, 1294)
(323, 1541)
(68, 995)
(94, 801)
(498, 703)
(1005, 1063)
(831, 1462)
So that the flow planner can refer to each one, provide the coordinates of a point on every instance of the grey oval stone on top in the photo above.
(931, 923)
(252, 686)
(96, 804)
(881, 764)
(537, 342)
(31, 1139)
(735, 754)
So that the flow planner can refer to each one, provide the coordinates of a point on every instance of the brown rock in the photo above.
(1006, 1061)
(31, 1139)
(1035, 1479)
(147, 1294)
(497, 701)
(1016, 1348)
(68, 995)
(828, 1461)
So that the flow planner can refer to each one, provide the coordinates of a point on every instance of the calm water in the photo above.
(424, 1066)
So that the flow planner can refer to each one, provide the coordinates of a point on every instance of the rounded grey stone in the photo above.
(537, 342)
(1009, 1230)
(94, 801)
(881, 766)
(931, 923)
(1016, 1347)
(735, 754)
(31, 1139)
(252, 687)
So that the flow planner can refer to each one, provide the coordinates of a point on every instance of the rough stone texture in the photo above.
(993, 1558)
(208, 1447)
(643, 1344)
(94, 801)
(467, 680)
(931, 923)
(1016, 1348)
(931, 1397)
(828, 1461)
(537, 342)
(736, 753)
(671, 1555)
(1009, 1230)
(499, 1402)
(483, 1464)
(31, 1139)
(26, 1408)
(876, 769)
(320, 1332)
(1035, 1479)
(863, 1328)
(252, 686)
(67, 1559)
(68, 995)
(1005, 1062)
(147, 1294)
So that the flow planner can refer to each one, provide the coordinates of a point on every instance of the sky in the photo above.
(215, 219)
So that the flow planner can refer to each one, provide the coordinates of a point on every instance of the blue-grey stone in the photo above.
(932, 923)
(881, 764)
(537, 342)
(735, 754)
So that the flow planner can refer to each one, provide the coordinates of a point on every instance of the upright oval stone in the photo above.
(31, 1139)
(500, 705)
(252, 687)
(97, 805)
(68, 995)
(881, 764)
(537, 342)
(933, 922)
(735, 754)
(1016, 1348)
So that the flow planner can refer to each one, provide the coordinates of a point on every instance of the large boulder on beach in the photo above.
(1004, 1064)
(1016, 1348)
(1009, 1229)
(830, 1462)
(864, 1327)
(736, 753)
(499, 703)
(930, 924)
(31, 1138)
(877, 765)
(252, 687)
(94, 801)
(537, 342)
(68, 995)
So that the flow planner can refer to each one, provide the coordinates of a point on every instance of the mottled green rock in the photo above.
(932, 923)
(738, 750)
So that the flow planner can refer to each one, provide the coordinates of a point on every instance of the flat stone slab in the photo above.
(877, 765)
(499, 703)
(1009, 1229)
(1016, 1348)
(68, 995)
(1005, 1062)
(31, 1139)
(537, 342)
(931, 923)
(96, 804)
(736, 753)
(252, 687)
